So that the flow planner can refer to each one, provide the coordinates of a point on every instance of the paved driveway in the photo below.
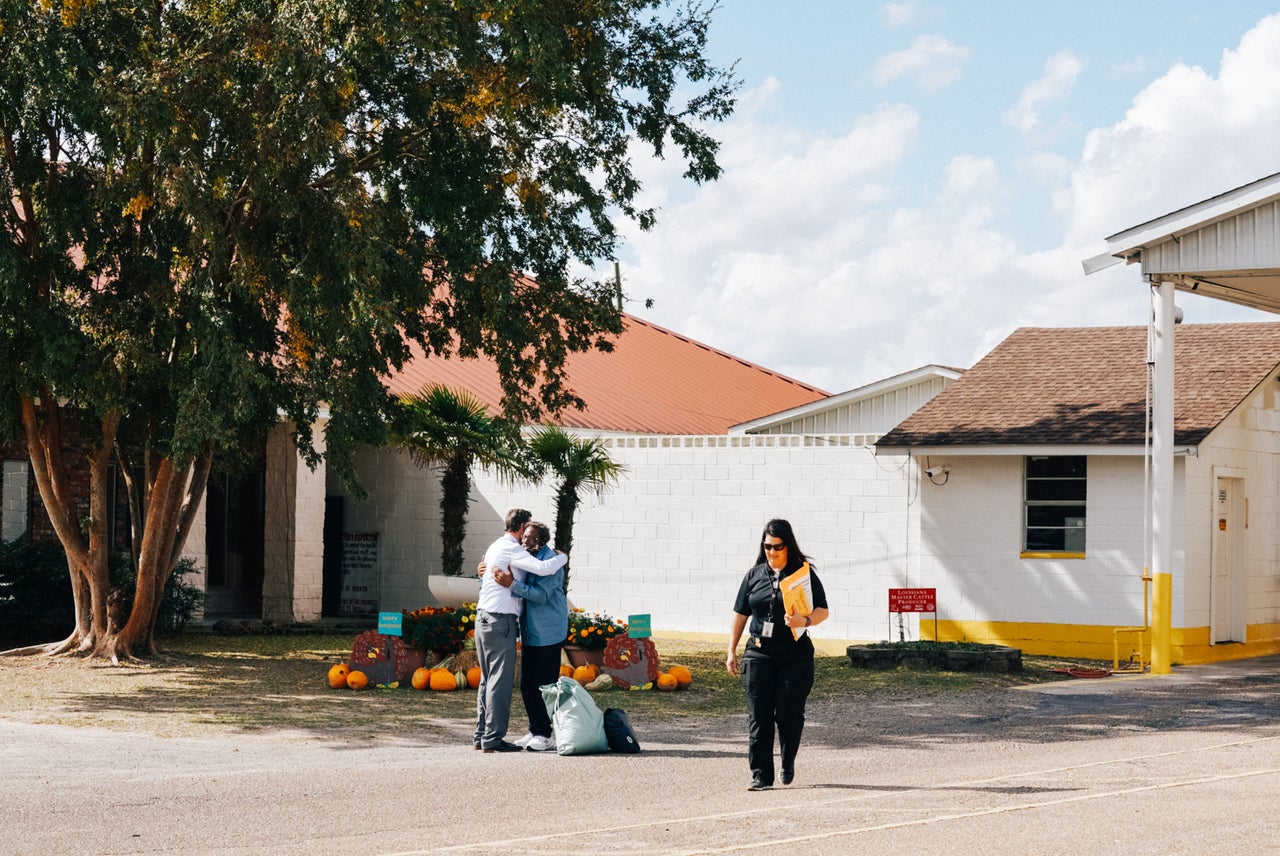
(1185, 763)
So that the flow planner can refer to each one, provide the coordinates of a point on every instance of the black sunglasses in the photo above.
(772, 547)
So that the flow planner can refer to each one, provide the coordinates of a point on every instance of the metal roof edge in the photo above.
(1202, 213)
(841, 398)
(1022, 451)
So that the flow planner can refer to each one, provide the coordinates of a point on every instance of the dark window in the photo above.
(1055, 503)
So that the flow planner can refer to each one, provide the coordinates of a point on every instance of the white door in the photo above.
(1228, 562)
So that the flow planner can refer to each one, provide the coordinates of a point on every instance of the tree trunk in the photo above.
(166, 503)
(87, 558)
(455, 499)
(566, 508)
(174, 498)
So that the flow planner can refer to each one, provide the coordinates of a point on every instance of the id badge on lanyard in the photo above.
(766, 629)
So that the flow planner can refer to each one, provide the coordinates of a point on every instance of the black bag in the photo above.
(617, 730)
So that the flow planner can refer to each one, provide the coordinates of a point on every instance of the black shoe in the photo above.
(504, 746)
(759, 784)
(787, 776)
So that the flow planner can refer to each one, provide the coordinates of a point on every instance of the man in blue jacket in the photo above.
(544, 625)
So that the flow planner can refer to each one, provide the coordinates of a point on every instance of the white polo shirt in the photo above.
(507, 552)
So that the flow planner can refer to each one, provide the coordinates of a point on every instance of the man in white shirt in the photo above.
(497, 626)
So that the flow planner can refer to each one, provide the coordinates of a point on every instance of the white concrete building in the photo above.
(1034, 525)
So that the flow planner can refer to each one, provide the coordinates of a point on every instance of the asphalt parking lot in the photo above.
(1183, 763)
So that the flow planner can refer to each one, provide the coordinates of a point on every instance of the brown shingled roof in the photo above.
(1087, 386)
(654, 381)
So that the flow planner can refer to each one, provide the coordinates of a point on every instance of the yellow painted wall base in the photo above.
(1080, 641)
(1190, 645)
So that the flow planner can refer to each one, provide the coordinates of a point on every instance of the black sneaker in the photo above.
(788, 776)
(759, 784)
(504, 746)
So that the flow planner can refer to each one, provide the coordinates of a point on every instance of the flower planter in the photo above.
(453, 591)
(862, 657)
(582, 657)
(997, 659)
(921, 660)
(989, 658)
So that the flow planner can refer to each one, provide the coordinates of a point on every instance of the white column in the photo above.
(293, 548)
(13, 515)
(1162, 514)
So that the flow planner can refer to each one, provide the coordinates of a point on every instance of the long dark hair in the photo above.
(779, 528)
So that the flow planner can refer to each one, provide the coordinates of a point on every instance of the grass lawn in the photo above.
(206, 684)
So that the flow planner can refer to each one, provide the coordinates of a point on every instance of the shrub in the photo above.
(35, 593)
(180, 600)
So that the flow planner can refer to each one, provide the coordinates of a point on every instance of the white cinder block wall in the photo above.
(675, 537)
(1246, 442)
(971, 538)
(403, 509)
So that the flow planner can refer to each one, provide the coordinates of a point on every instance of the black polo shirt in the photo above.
(760, 599)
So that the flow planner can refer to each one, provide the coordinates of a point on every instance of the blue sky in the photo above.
(906, 183)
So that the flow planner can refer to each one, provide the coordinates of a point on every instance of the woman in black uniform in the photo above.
(777, 667)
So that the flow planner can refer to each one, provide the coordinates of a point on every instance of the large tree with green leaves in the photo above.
(227, 210)
(577, 464)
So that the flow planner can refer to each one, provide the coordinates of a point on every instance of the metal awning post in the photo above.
(1162, 516)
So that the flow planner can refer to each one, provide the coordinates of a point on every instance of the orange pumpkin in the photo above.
(584, 674)
(421, 678)
(357, 679)
(338, 676)
(442, 680)
(667, 682)
(682, 675)
(473, 677)
(566, 670)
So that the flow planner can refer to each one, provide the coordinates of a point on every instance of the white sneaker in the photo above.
(540, 744)
(524, 741)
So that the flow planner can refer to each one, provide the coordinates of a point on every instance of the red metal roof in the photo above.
(654, 382)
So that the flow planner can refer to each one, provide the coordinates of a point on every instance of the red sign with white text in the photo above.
(913, 600)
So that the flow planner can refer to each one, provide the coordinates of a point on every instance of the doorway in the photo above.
(1227, 595)
(234, 517)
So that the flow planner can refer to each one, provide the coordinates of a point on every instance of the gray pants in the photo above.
(496, 634)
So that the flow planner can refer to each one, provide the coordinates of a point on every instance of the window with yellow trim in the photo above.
(1054, 503)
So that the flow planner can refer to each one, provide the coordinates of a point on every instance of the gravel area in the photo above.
(1167, 764)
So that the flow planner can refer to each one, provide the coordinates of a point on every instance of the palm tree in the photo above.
(579, 464)
(453, 429)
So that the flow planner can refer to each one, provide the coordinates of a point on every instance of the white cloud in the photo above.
(1186, 137)
(1060, 73)
(934, 61)
(900, 14)
(808, 258)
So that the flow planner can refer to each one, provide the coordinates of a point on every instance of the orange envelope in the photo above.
(797, 596)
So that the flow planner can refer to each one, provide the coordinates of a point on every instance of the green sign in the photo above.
(638, 626)
(391, 623)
